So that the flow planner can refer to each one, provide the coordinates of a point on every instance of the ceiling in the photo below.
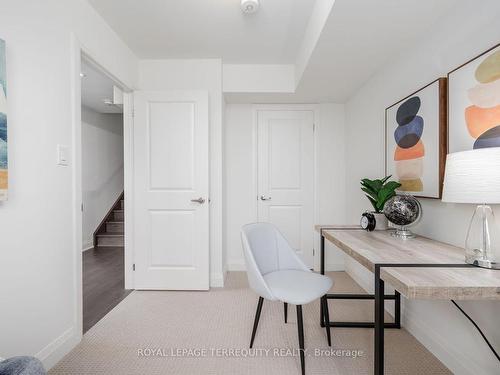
(96, 87)
(156, 29)
(358, 39)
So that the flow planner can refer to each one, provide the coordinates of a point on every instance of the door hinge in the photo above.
(81, 207)
(314, 127)
(314, 252)
(133, 267)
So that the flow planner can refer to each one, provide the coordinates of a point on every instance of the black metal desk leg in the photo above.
(322, 271)
(379, 323)
(322, 254)
(397, 308)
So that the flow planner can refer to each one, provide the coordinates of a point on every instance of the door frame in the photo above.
(79, 52)
(315, 109)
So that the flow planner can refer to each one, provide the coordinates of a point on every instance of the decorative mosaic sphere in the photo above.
(402, 210)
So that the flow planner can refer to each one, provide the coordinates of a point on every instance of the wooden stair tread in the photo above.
(110, 231)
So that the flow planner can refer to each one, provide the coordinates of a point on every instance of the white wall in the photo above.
(240, 201)
(258, 78)
(37, 257)
(102, 168)
(240, 169)
(203, 74)
(331, 169)
(471, 28)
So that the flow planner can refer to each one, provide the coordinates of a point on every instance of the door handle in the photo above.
(200, 200)
(263, 198)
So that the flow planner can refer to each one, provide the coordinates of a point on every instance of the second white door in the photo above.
(286, 176)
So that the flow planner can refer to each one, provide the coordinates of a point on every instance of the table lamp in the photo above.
(474, 177)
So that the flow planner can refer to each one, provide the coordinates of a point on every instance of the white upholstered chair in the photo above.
(276, 273)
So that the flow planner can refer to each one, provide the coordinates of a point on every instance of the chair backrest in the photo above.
(266, 250)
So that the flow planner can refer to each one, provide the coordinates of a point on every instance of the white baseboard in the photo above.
(334, 267)
(58, 348)
(88, 244)
(224, 274)
(216, 280)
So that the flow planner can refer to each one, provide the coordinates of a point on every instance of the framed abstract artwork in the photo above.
(415, 140)
(3, 125)
(474, 103)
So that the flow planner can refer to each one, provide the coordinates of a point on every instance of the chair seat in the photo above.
(297, 287)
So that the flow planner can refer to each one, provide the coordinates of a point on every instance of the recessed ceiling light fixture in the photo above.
(249, 6)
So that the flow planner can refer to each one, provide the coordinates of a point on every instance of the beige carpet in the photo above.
(214, 325)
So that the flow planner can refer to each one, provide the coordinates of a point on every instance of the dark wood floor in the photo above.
(103, 283)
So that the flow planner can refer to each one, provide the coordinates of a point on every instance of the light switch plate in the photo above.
(62, 155)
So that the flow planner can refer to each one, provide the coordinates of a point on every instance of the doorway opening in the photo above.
(102, 186)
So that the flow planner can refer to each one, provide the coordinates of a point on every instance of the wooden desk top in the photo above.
(370, 248)
(444, 283)
(378, 247)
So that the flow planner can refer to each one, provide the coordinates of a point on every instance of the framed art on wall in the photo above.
(3, 125)
(416, 141)
(474, 103)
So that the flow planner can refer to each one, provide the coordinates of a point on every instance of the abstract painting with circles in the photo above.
(415, 140)
(474, 103)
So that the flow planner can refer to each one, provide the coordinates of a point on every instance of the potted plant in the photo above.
(378, 192)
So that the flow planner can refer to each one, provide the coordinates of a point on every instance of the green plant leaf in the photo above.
(372, 184)
(392, 185)
(383, 196)
(378, 191)
(373, 202)
(371, 193)
(369, 190)
(384, 180)
(378, 184)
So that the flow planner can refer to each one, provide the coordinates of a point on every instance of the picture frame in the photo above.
(4, 167)
(474, 102)
(416, 140)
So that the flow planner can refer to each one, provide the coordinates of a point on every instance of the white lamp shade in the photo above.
(473, 176)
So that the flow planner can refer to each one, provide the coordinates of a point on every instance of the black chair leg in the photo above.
(324, 304)
(286, 311)
(256, 321)
(300, 326)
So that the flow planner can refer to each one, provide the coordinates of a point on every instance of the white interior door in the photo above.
(285, 176)
(171, 214)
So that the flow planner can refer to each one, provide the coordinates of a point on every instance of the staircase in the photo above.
(110, 232)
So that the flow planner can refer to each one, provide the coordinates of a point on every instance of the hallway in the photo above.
(103, 283)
